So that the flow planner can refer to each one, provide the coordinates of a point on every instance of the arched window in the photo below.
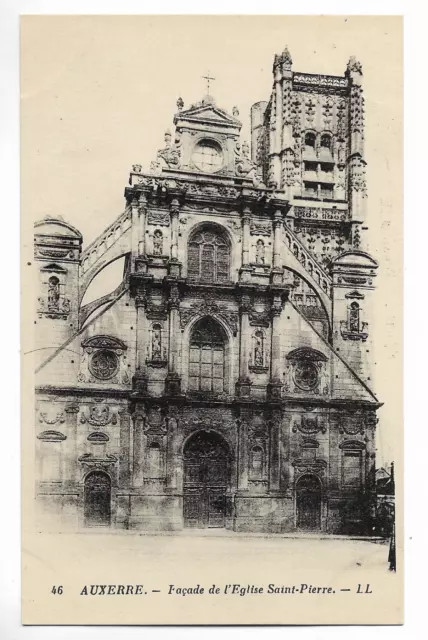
(354, 317)
(326, 141)
(310, 139)
(208, 256)
(207, 357)
(157, 243)
(256, 463)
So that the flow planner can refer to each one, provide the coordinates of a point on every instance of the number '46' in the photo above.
(57, 590)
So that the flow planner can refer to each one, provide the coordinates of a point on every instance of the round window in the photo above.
(104, 364)
(208, 156)
(306, 375)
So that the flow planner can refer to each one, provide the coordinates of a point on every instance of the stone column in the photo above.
(142, 225)
(244, 382)
(174, 211)
(174, 265)
(243, 454)
(135, 225)
(275, 384)
(246, 220)
(173, 380)
(277, 228)
(245, 270)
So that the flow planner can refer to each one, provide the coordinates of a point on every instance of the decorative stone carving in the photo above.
(354, 295)
(58, 418)
(159, 218)
(97, 462)
(309, 425)
(259, 318)
(103, 360)
(243, 163)
(99, 416)
(156, 311)
(209, 307)
(352, 424)
(354, 66)
(311, 213)
(172, 152)
(261, 229)
(302, 467)
(208, 419)
(58, 310)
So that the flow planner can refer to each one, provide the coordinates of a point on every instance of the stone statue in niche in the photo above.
(260, 252)
(157, 243)
(53, 293)
(354, 317)
(157, 342)
(258, 349)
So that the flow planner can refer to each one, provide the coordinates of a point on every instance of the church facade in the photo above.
(226, 382)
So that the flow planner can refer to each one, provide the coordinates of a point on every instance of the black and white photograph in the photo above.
(211, 210)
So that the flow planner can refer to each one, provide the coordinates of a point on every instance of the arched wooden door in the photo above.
(308, 503)
(206, 478)
(97, 496)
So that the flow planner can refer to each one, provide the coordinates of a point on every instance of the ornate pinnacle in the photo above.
(286, 56)
(354, 66)
(180, 104)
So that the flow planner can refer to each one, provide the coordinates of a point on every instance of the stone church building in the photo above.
(226, 382)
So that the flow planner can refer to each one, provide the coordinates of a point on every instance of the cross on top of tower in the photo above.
(208, 78)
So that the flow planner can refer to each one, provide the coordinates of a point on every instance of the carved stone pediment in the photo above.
(51, 436)
(316, 466)
(99, 462)
(104, 342)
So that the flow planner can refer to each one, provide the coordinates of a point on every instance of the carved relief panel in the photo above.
(306, 373)
(104, 361)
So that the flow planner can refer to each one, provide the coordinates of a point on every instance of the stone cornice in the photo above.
(284, 403)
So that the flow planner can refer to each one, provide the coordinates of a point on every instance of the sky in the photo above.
(98, 93)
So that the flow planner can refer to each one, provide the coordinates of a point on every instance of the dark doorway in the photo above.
(206, 478)
(308, 502)
(97, 499)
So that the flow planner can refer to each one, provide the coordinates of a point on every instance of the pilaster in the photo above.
(244, 382)
(174, 266)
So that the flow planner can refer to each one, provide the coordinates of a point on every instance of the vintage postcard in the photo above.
(211, 326)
